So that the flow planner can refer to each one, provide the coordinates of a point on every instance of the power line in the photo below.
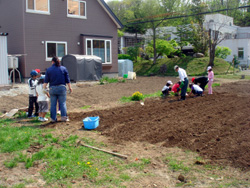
(184, 16)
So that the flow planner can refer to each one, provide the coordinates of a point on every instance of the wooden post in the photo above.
(110, 152)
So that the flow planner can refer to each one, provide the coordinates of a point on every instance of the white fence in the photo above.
(3, 60)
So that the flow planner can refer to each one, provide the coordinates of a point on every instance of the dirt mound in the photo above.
(216, 126)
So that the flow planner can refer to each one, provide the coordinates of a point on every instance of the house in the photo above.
(41, 29)
(235, 37)
(129, 40)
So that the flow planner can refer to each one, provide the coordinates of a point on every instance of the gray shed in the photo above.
(124, 66)
(83, 67)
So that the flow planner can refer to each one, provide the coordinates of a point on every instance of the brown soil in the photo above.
(216, 126)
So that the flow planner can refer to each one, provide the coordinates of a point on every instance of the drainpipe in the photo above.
(24, 38)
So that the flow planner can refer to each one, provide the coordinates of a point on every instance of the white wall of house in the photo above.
(219, 18)
(3, 61)
(237, 45)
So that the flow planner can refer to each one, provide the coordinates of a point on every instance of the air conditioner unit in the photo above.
(12, 62)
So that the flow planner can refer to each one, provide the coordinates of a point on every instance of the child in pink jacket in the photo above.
(211, 79)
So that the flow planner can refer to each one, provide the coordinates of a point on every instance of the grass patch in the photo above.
(85, 107)
(20, 114)
(176, 165)
(213, 85)
(232, 76)
(16, 138)
(107, 80)
(129, 99)
(65, 161)
(139, 164)
(193, 66)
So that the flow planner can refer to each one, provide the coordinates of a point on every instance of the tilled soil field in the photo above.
(216, 126)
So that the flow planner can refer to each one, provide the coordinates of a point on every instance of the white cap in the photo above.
(209, 68)
(175, 67)
(169, 82)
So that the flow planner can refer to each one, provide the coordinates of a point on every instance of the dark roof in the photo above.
(110, 12)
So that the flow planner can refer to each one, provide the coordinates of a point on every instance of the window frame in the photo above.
(77, 16)
(105, 49)
(37, 11)
(56, 42)
(241, 58)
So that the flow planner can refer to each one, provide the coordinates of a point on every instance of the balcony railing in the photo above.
(242, 36)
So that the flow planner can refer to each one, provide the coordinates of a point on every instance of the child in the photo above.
(176, 88)
(39, 73)
(195, 89)
(32, 82)
(165, 90)
(43, 99)
(210, 79)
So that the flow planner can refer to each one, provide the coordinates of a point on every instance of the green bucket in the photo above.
(125, 76)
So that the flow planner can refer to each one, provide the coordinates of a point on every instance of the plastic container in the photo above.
(131, 75)
(91, 122)
(125, 76)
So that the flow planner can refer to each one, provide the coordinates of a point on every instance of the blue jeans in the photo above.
(58, 93)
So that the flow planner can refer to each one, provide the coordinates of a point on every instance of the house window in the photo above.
(77, 8)
(100, 48)
(38, 6)
(58, 49)
(240, 53)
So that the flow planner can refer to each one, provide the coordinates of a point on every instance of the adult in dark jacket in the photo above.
(57, 76)
(201, 81)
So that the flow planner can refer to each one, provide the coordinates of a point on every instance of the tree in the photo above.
(222, 52)
(199, 36)
(162, 47)
(135, 8)
(152, 10)
(183, 33)
(120, 33)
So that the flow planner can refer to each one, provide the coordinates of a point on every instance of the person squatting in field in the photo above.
(196, 90)
(201, 81)
(176, 88)
(166, 89)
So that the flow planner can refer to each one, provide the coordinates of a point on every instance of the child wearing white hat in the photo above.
(210, 79)
(165, 90)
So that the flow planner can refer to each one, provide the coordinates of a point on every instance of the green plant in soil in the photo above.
(85, 107)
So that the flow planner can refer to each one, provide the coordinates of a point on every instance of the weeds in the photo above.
(85, 107)
(65, 162)
(108, 80)
(176, 165)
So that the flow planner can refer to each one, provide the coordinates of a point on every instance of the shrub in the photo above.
(124, 56)
(133, 51)
(137, 96)
(222, 52)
